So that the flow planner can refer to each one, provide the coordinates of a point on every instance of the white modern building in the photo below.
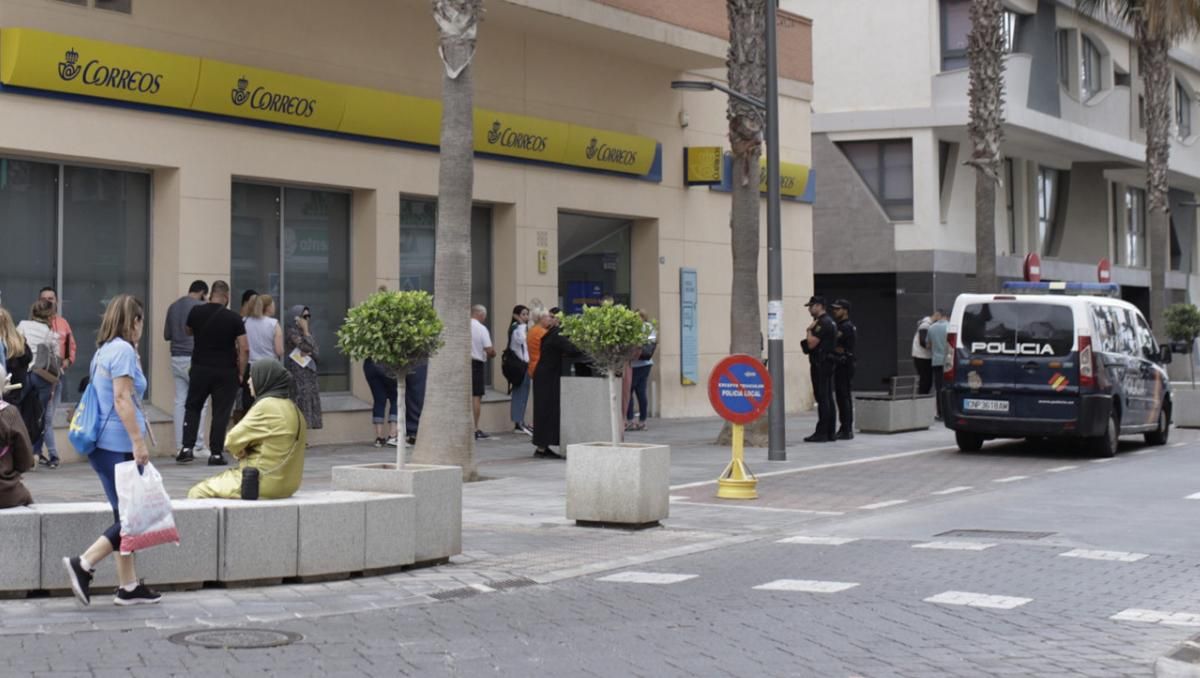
(894, 216)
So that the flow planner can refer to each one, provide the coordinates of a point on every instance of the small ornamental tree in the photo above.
(398, 331)
(609, 333)
(1183, 325)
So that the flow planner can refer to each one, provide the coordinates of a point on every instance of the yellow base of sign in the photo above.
(736, 481)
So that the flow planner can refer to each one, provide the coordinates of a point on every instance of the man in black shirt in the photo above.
(819, 343)
(219, 360)
(843, 370)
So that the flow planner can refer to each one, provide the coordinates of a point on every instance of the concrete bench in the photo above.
(310, 536)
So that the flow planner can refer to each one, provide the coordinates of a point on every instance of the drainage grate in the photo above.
(994, 534)
(235, 638)
(514, 583)
(454, 594)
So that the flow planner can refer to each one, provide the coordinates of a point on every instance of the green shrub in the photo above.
(1183, 323)
(608, 333)
(397, 330)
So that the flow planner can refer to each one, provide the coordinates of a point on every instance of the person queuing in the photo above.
(16, 359)
(264, 338)
(640, 367)
(819, 342)
(922, 356)
(553, 350)
(219, 360)
(303, 354)
(481, 351)
(182, 345)
(62, 328)
(938, 350)
(518, 343)
(45, 372)
(119, 384)
(843, 370)
(16, 452)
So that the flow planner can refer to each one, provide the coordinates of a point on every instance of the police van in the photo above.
(1043, 360)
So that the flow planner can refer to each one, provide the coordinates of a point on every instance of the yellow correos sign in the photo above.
(520, 136)
(374, 113)
(243, 92)
(703, 165)
(613, 151)
(62, 63)
(793, 178)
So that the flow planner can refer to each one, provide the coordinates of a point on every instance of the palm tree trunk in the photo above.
(985, 49)
(447, 434)
(747, 66)
(1156, 72)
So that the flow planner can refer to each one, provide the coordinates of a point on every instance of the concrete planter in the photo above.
(626, 484)
(1185, 405)
(874, 414)
(586, 413)
(438, 490)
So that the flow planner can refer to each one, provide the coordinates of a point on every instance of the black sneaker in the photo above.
(53, 463)
(480, 435)
(818, 438)
(81, 580)
(547, 453)
(217, 460)
(138, 596)
(43, 460)
(379, 442)
(845, 435)
(185, 456)
(411, 440)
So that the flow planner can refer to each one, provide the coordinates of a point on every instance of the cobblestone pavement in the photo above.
(849, 594)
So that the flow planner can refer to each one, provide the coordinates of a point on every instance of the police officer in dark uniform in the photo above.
(819, 343)
(843, 371)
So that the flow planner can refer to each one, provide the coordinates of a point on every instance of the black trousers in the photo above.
(822, 379)
(924, 373)
(843, 375)
(937, 388)
(220, 383)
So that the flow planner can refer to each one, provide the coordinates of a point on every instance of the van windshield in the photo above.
(1018, 328)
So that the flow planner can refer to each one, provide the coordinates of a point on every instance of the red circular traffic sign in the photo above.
(1033, 267)
(739, 389)
(1104, 270)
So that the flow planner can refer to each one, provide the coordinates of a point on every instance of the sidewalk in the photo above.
(514, 529)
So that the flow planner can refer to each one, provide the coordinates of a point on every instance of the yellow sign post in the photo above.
(737, 482)
(739, 389)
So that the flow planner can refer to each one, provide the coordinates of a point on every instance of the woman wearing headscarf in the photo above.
(271, 438)
(555, 349)
(16, 453)
(301, 361)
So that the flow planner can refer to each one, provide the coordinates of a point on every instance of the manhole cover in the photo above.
(514, 583)
(235, 638)
(453, 594)
(994, 534)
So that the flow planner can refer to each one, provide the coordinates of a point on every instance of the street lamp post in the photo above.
(777, 445)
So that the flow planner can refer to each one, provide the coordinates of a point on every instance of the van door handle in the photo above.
(1029, 366)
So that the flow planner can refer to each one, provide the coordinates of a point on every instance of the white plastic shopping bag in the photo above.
(146, 518)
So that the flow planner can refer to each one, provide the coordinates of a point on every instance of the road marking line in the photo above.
(952, 490)
(1103, 461)
(1120, 556)
(822, 541)
(806, 586)
(1060, 469)
(483, 588)
(954, 545)
(1141, 452)
(1010, 479)
(676, 497)
(883, 504)
(1157, 617)
(647, 578)
(1193, 496)
(1178, 444)
(759, 508)
(820, 467)
(978, 600)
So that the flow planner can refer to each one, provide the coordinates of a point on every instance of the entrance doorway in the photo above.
(594, 260)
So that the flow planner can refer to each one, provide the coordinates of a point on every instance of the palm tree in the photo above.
(747, 64)
(985, 50)
(446, 436)
(1157, 25)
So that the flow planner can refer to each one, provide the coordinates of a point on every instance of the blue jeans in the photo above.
(383, 392)
(520, 397)
(44, 390)
(641, 375)
(104, 463)
(414, 398)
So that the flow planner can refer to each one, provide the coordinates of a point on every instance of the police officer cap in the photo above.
(841, 303)
(816, 300)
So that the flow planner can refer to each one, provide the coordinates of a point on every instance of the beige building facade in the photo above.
(104, 191)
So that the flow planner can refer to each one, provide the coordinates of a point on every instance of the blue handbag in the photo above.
(87, 423)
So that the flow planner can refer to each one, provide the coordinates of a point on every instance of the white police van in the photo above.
(1035, 361)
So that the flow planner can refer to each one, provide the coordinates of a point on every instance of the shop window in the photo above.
(594, 260)
(1183, 110)
(294, 244)
(1135, 227)
(1049, 188)
(886, 167)
(1093, 62)
(88, 240)
(418, 249)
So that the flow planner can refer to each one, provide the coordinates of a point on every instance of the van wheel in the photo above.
(1159, 435)
(968, 442)
(1106, 445)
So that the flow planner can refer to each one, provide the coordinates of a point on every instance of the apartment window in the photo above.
(956, 25)
(1063, 44)
(1010, 203)
(124, 6)
(1048, 189)
(1183, 110)
(1008, 24)
(1135, 227)
(83, 230)
(1141, 112)
(1093, 60)
(294, 244)
(1176, 249)
(886, 167)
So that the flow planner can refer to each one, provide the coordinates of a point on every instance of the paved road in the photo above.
(892, 557)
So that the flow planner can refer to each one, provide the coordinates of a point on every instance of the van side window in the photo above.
(1147, 342)
(1127, 339)
(1105, 330)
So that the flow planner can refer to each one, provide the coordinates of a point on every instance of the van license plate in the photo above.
(977, 405)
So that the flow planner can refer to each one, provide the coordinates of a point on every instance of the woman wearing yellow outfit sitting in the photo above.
(271, 438)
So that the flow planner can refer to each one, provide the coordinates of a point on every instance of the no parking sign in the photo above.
(739, 389)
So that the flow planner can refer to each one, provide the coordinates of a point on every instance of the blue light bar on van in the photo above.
(1106, 289)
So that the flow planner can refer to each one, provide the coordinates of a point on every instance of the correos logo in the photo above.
(508, 137)
(605, 153)
(98, 74)
(1000, 348)
(262, 99)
